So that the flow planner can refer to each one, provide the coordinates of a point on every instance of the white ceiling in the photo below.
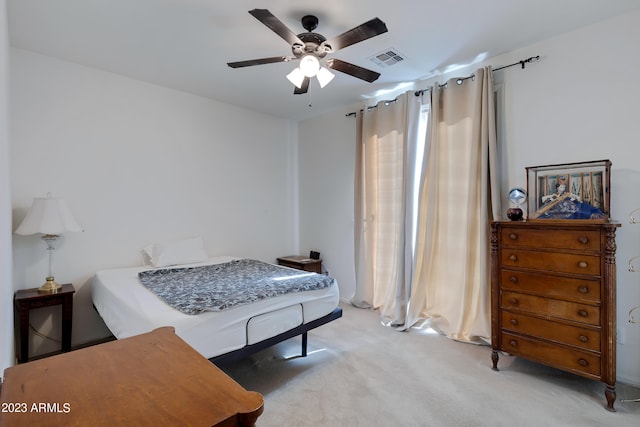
(185, 44)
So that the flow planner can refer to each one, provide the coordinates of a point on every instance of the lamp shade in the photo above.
(296, 77)
(324, 77)
(48, 215)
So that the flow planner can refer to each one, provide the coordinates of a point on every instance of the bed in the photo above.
(129, 308)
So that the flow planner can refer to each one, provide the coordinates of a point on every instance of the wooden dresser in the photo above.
(553, 296)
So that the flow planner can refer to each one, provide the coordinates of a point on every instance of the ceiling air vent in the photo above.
(387, 58)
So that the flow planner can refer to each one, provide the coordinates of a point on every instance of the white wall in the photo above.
(139, 163)
(578, 103)
(6, 284)
(326, 160)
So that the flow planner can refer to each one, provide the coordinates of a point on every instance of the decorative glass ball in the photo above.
(514, 214)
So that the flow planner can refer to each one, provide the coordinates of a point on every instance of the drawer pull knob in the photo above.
(514, 322)
(583, 289)
(513, 301)
(583, 239)
(513, 236)
(583, 338)
(513, 343)
(513, 257)
(513, 279)
(583, 313)
(583, 362)
(582, 264)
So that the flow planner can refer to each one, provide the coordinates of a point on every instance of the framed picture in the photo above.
(569, 191)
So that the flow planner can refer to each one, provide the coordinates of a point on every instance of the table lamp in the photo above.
(51, 217)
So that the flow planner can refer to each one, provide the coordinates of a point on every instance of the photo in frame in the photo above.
(569, 191)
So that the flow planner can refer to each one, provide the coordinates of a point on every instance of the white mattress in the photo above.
(128, 308)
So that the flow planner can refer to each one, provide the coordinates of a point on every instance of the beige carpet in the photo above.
(359, 373)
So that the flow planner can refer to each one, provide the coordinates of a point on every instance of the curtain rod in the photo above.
(371, 107)
(522, 63)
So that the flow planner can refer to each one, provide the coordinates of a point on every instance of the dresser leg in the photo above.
(610, 394)
(494, 358)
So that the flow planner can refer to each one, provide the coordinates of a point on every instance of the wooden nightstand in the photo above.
(301, 263)
(26, 299)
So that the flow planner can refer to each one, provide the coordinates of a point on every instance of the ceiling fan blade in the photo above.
(267, 18)
(352, 69)
(304, 88)
(362, 32)
(261, 61)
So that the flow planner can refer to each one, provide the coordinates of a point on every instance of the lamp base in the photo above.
(49, 287)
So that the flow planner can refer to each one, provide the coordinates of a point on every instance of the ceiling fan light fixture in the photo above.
(309, 48)
(309, 65)
(324, 77)
(296, 77)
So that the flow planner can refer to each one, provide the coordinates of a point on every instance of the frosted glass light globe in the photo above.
(309, 65)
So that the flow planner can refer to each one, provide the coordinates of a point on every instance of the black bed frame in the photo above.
(298, 330)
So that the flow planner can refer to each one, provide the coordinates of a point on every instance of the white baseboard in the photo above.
(633, 382)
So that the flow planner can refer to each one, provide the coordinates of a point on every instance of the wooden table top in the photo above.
(33, 294)
(150, 379)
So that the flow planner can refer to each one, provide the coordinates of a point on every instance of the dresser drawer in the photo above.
(549, 285)
(551, 308)
(558, 356)
(585, 338)
(552, 261)
(545, 238)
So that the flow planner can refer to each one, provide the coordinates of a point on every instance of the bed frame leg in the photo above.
(304, 344)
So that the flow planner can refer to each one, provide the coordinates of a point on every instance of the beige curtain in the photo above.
(458, 197)
(382, 221)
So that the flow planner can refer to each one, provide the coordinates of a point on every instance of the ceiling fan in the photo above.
(310, 48)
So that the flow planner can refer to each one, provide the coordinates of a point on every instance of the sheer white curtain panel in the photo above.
(383, 200)
(459, 195)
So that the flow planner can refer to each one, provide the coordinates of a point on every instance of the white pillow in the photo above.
(185, 251)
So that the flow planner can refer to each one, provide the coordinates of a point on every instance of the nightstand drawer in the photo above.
(552, 261)
(585, 338)
(550, 285)
(542, 238)
(550, 307)
(582, 362)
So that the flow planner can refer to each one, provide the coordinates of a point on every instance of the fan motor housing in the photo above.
(314, 44)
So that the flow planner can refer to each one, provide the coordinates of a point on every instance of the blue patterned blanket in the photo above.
(216, 287)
